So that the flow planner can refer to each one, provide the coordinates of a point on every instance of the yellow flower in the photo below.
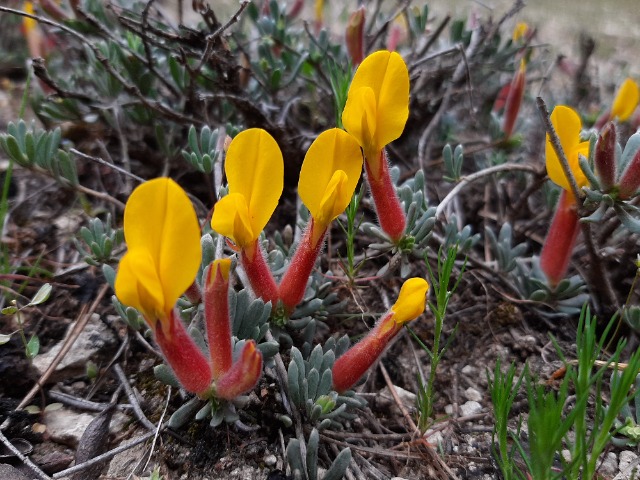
(163, 240)
(329, 175)
(626, 100)
(29, 23)
(520, 32)
(411, 300)
(255, 173)
(377, 105)
(567, 125)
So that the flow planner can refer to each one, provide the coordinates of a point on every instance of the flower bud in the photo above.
(243, 375)
(514, 100)
(216, 314)
(354, 35)
(630, 179)
(605, 156)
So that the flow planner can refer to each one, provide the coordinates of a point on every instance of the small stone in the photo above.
(434, 438)
(468, 370)
(473, 394)
(270, 461)
(95, 337)
(470, 408)
(448, 409)
(7, 472)
(609, 465)
(566, 455)
(66, 426)
(626, 458)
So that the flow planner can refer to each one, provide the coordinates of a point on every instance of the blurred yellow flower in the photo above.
(626, 100)
(568, 125)
(520, 32)
(163, 240)
(377, 105)
(255, 174)
(329, 175)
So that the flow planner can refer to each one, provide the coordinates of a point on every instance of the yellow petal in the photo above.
(386, 74)
(324, 193)
(255, 170)
(160, 220)
(626, 100)
(567, 124)
(231, 219)
(411, 300)
(520, 31)
(137, 285)
(335, 199)
(28, 23)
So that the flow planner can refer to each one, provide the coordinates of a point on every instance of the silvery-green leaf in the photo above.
(166, 375)
(33, 346)
(185, 413)
(339, 466)
(324, 387)
(41, 296)
(312, 454)
(204, 412)
(4, 338)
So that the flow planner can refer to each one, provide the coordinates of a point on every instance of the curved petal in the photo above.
(334, 150)
(567, 125)
(160, 220)
(359, 118)
(335, 199)
(626, 100)
(231, 219)
(137, 285)
(387, 75)
(411, 300)
(255, 170)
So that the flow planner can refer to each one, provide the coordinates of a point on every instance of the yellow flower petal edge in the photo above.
(163, 239)
(411, 300)
(626, 100)
(231, 218)
(255, 170)
(386, 74)
(568, 125)
(29, 23)
(324, 191)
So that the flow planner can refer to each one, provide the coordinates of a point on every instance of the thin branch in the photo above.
(142, 418)
(104, 456)
(505, 167)
(110, 165)
(32, 466)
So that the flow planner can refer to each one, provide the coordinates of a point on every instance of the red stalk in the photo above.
(294, 281)
(185, 358)
(260, 276)
(514, 100)
(390, 212)
(605, 156)
(558, 246)
(243, 375)
(354, 363)
(216, 314)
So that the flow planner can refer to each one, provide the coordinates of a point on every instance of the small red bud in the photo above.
(243, 375)
(514, 100)
(605, 156)
(630, 179)
(216, 314)
(354, 36)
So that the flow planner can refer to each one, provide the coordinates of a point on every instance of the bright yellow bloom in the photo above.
(567, 124)
(377, 105)
(163, 240)
(411, 300)
(255, 173)
(329, 175)
(626, 100)
(520, 32)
